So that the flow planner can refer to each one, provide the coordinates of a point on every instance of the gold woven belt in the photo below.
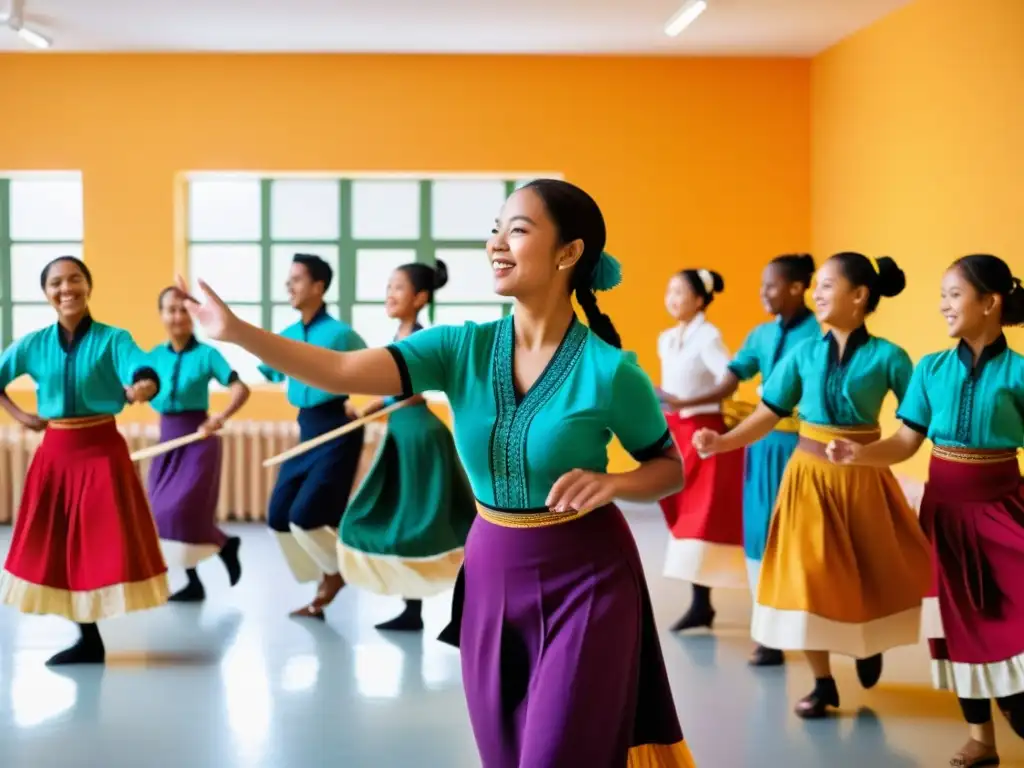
(79, 423)
(973, 455)
(528, 519)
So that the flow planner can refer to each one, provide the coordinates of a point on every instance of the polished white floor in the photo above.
(235, 683)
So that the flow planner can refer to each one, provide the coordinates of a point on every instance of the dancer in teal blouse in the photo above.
(84, 545)
(552, 591)
(312, 490)
(184, 484)
(969, 401)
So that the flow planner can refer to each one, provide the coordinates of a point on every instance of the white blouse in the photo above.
(693, 360)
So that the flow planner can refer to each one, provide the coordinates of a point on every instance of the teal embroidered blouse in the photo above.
(516, 445)
(187, 375)
(838, 392)
(956, 403)
(323, 331)
(768, 343)
(81, 376)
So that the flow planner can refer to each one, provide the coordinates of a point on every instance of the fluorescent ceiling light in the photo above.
(33, 38)
(685, 17)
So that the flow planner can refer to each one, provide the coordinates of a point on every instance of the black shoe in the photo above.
(88, 650)
(229, 556)
(192, 592)
(695, 618)
(409, 620)
(815, 705)
(766, 657)
(869, 670)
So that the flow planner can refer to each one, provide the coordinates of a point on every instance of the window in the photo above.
(40, 219)
(243, 231)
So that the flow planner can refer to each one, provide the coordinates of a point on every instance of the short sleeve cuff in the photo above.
(233, 377)
(145, 373)
(655, 449)
(919, 428)
(403, 370)
(782, 413)
(737, 371)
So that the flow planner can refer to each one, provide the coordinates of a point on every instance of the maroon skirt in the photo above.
(973, 513)
(84, 544)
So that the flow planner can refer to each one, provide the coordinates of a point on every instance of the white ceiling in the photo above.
(728, 27)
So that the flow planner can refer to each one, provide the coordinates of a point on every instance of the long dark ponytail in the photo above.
(577, 217)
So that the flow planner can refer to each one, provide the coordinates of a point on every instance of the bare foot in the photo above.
(975, 754)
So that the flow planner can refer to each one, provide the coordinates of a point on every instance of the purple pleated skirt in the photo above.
(184, 486)
(561, 661)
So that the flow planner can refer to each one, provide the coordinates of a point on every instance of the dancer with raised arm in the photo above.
(784, 285)
(969, 401)
(705, 519)
(846, 565)
(560, 656)
(312, 490)
(84, 544)
(184, 484)
(406, 526)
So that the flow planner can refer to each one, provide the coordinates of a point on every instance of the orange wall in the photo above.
(917, 124)
(695, 162)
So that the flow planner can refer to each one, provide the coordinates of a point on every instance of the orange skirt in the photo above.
(846, 565)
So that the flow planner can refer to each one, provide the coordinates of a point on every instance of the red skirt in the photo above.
(705, 519)
(84, 544)
(973, 514)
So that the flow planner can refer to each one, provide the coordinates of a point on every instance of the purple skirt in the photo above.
(561, 660)
(184, 486)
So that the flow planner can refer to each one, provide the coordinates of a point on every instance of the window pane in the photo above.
(385, 210)
(466, 209)
(371, 322)
(226, 209)
(305, 209)
(281, 262)
(470, 277)
(233, 271)
(373, 268)
(241, 361)
(26, 318)
(27, 262)
(281, 316)
(46, 209)
(459, 314)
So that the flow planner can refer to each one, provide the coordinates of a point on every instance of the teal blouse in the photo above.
(323, 331)
(956, 403)
(838, 392)
(81, 376)
(516, 445)
(768, 343)
(187, 375)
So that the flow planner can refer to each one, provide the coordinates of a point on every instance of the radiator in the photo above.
(245, 485)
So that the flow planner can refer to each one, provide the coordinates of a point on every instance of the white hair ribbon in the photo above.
(707, 280)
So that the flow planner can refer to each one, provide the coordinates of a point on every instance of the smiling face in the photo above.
(403, 301)
(524, 248)
(967, 311)
(302, 291)
(681, 301)
(837, 301)
(176, 319)
(67, 290)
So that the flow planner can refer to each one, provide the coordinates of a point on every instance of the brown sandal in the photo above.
(975, 754)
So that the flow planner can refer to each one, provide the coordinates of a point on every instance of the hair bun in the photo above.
(440, 274)
(891, 280)
(805, 263)
(717, 281)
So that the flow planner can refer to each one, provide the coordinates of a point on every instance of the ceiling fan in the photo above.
(14, 20)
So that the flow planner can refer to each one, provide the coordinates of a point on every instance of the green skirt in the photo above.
(405, 527)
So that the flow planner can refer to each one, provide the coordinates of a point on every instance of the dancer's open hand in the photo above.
(580, 491)
(211, 313)
(141, 391)
(706, 441)
(841, 451)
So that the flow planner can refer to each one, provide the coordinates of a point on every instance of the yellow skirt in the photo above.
(846, 565)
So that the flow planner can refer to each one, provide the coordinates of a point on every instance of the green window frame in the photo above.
(7, 245)
(425, 247)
